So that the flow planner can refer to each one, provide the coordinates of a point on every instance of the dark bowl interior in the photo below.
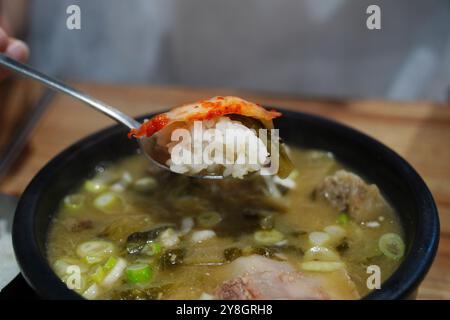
(399, 182)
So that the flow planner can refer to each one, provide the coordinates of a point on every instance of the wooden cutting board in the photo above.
(420, 132)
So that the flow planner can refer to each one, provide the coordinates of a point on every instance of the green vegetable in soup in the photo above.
(123, 183)
(79, 286)
(120, 228)
(95, 251)
(92, 292)
(115, 273)
(139, 273)
(101, 271)
(343, 219)
(102, 181)
(110, 263)
(95, 186)
(74, 202)
(268, 237)
(392, 246)
(98, 274)
(61, 266)
(109, 202)
(145, 185)
(152, 249)
(137, 241)
(321, 254)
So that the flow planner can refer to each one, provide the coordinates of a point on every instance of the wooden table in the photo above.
(420, 132)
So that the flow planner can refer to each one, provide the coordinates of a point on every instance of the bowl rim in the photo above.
(401, 284)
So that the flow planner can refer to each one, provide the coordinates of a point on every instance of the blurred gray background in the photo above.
(305, 47)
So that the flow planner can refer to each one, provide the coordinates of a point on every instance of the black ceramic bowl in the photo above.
(398, 181)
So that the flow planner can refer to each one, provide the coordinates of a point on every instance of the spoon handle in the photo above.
(64, 88)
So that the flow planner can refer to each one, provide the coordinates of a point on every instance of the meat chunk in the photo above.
(257, 264)
(235, 289)
(347, 192)
(257, 277)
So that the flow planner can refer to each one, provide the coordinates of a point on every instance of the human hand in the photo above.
(13, 48)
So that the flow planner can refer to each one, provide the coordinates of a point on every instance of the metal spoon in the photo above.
(147, 145)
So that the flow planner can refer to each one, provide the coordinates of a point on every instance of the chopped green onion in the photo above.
(115, 274)
(139, 273)
(110, 263)
(98, 275)
(60, 266)
(74, 202)
(209, 219)
(146, 184)
(123, 183)
(73, 282)
(95, 251)
(95, 186)
(152, 249)
(392, 246)
(319, 253)
(92, 259)
(92, 292)
(268, 237)
(109, 202)
(343, 219)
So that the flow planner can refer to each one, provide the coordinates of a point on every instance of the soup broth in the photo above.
(136, 234)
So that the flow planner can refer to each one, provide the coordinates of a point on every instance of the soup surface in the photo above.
(129, 233)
